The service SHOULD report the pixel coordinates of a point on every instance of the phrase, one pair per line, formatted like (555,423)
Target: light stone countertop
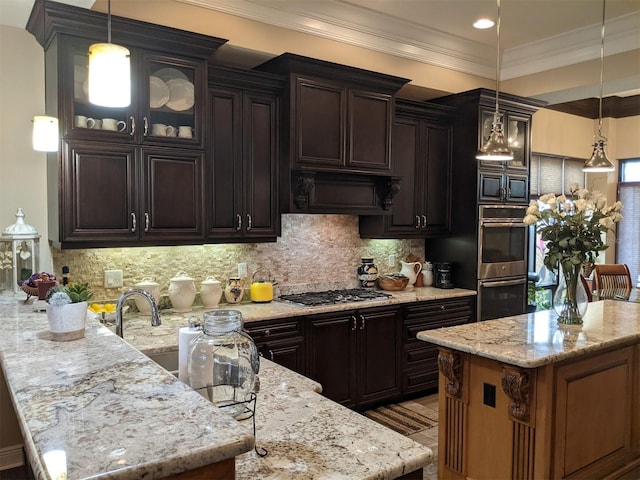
(164,338)
(116,414)
(536,339)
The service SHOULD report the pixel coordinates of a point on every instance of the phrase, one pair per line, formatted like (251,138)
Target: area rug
(401,419)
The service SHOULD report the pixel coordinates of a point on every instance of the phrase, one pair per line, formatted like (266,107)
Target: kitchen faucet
(155,316)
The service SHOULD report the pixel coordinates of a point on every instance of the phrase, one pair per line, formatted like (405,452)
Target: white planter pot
(67,322)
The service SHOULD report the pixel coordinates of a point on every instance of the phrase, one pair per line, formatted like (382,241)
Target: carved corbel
(515,383)
(450,365)
(303,184)
(387,189)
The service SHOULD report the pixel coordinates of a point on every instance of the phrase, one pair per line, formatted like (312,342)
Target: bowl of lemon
(104,312)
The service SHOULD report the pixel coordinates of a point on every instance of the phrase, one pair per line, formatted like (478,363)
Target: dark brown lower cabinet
(420,359)
(281,341)
(354,355)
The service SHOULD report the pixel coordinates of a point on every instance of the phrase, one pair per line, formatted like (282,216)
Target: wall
(22,170)
(313,252)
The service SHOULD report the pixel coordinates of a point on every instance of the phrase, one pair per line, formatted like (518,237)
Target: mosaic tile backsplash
(315,252)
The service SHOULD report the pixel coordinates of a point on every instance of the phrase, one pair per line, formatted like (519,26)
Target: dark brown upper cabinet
(243,148)
(421,154)
(125,176)
(337,127)
(486,181)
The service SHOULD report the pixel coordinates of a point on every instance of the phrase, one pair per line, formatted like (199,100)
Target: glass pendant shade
(109,75)
(598,161)
(495,148)
(45,134)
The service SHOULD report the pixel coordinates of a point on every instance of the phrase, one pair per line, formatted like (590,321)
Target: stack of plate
(171,87)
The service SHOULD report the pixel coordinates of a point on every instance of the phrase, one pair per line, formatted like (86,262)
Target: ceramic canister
(149,285)
(210,292)
(182,292)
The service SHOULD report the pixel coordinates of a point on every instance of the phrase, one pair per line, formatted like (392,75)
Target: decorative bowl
(393,282)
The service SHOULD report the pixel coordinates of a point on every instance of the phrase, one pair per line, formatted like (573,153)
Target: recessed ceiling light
(483,23)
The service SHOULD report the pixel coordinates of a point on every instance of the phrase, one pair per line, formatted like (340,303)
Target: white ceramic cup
(113,124)
(80,121)
(93,123)
(159,129)
(172,131)
(185,131)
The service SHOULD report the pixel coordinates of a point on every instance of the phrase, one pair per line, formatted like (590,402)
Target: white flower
(582,193)
(606,222)
(617,207)
(574,187)
(580,204)
(530,219)
(532,209)
(562,199)
(617,217)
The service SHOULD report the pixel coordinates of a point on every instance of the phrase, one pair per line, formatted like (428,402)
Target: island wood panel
(579,419)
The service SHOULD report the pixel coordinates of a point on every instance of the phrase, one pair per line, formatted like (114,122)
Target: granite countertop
(116,414)
(104,406)
(164,337)
(536,339)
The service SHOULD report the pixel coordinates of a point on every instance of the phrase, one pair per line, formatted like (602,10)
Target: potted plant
(67,311)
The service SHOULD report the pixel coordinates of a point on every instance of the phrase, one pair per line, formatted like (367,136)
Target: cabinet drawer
(421,379)
(439,309)
(264,331)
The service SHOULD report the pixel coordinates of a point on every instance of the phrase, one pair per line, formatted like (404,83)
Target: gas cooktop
(331,297)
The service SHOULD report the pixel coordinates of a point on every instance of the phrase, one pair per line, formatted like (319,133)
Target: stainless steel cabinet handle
(145,122)
(507,193)
(267,332)
(249,221)
(354,325)
(271,355)
(133,222)
(417,221)
(146,222)
(363,324)
(424,221)
(239,219)
(133,126)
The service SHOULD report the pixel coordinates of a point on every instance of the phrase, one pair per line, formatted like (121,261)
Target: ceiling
(535,36)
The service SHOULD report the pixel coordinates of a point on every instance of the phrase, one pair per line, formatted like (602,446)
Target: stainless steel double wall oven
(502,261)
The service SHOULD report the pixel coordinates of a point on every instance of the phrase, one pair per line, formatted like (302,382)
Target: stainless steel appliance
(502,261)
(331,297)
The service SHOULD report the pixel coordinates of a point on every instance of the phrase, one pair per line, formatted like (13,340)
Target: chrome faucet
(155,316)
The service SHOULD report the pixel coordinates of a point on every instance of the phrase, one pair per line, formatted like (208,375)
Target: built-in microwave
(502,242)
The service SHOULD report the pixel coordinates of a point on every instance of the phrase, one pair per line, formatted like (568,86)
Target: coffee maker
(442,275)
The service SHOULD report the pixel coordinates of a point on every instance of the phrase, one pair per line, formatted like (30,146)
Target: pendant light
(44,136)
(496,148)
(109,72)
(599,161)
(45,133)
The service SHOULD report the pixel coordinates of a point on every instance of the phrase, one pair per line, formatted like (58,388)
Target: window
(554,174)
(628,230)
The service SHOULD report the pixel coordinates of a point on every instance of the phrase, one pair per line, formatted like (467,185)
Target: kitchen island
(107,411)
(524,397)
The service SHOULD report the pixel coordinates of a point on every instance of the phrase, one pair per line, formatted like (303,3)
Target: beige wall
(22,170)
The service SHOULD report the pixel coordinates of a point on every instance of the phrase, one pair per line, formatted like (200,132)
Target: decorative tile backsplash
(315,252)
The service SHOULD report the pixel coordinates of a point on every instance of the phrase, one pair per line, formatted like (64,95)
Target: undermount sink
(167,360)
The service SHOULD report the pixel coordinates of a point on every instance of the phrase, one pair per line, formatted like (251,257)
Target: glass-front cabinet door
(165,106)
(516,130)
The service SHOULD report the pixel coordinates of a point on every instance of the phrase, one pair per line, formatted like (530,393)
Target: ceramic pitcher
(411,271)
(182,292)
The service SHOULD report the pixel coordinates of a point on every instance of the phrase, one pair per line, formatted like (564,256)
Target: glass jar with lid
(223,362)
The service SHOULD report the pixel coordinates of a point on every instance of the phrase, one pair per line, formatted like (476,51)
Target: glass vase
(570,300)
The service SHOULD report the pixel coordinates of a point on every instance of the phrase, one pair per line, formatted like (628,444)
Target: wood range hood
(336,125)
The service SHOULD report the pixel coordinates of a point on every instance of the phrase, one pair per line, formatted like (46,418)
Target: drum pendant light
(109,72)
(496,148)
(599,161)
(45,133)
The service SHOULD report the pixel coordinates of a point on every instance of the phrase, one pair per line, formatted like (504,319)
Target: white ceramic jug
(182,292)
(411,271)
(149,285)
(210,292)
